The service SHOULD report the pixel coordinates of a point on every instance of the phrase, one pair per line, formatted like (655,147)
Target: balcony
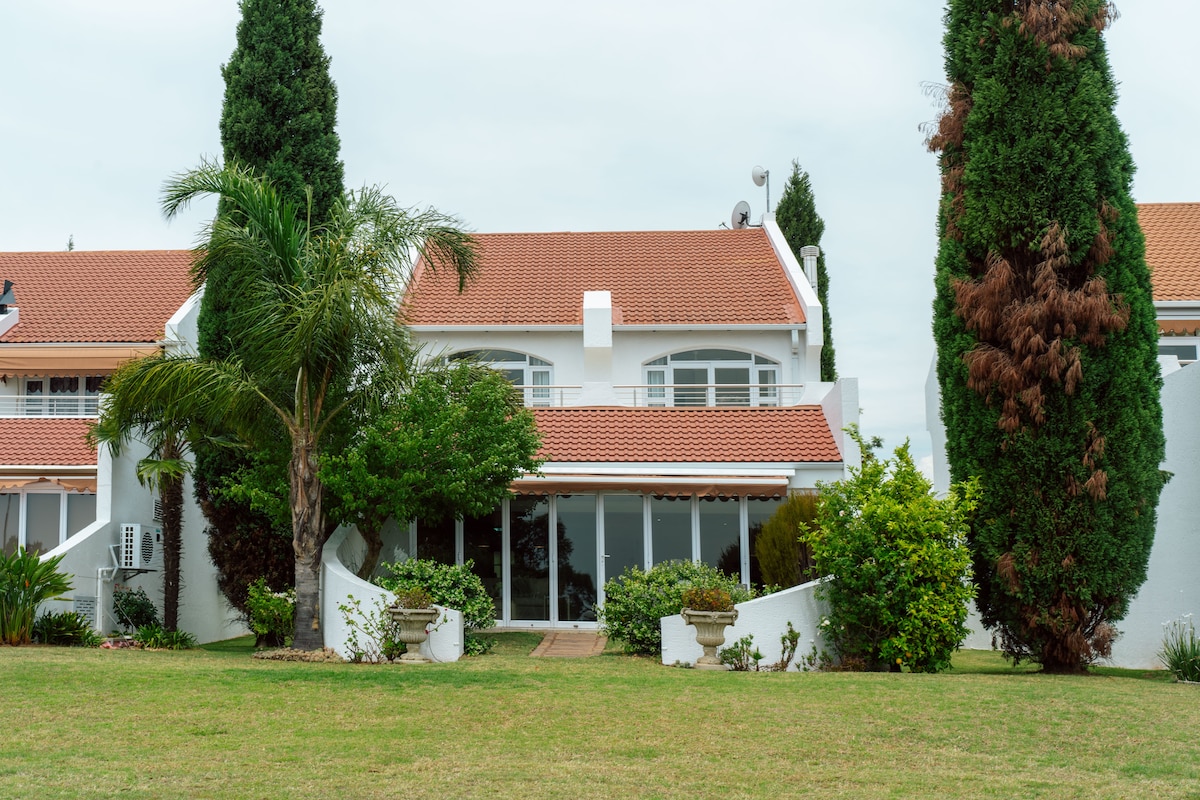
(673,395)
(26,405)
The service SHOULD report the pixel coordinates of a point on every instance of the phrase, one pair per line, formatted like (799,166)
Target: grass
(215,723)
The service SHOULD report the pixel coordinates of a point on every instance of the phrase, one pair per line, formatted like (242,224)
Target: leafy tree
(278,120)
(451,445)
(900,564)
(796,215)
(1045,326)
(319,309)
(128,414)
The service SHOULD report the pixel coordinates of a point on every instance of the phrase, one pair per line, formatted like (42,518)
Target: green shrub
(742,655)
(636,600)
(25,582)
(900,563)
(67,628)
(133,609)
(373,636)
(783,560)
(272,614)
(707,598)
(449,585)
(156,637)
(1181,650)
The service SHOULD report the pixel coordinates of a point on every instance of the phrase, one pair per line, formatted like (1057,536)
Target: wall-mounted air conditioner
(141,546)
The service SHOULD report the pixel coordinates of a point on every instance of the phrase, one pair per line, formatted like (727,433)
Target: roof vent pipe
(809,254)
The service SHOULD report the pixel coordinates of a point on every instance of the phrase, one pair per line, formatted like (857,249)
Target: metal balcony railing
(672,395)
(24,405)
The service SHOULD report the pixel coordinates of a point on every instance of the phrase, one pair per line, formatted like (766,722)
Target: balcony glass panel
(736,388)
(685,378)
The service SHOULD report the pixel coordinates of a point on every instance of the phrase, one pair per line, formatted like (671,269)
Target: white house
(69,319)
(1172,232)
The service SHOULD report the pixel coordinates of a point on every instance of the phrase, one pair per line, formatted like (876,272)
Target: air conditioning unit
(141,546)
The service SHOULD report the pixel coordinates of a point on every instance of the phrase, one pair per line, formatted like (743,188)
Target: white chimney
(810,253)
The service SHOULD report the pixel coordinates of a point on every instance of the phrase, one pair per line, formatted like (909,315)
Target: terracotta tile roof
(656,278)
(718,435)
(97,296)
(1172,248)
(29,441)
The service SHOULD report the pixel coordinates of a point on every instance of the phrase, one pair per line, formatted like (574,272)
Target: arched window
(531,374)
(712,377)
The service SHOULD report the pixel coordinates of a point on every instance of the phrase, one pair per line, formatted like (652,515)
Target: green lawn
(215,723)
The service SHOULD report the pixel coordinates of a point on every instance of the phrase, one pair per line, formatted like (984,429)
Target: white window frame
(537,374)
(761,389)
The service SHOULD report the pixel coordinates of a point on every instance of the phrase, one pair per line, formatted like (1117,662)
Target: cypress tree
(278,120)
(1045,326)
(796,215)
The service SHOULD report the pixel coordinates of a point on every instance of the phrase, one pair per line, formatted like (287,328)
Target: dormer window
(529,373)
(712,377)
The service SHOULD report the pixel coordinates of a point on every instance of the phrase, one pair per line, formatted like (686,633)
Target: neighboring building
(66,322)
(1172,232)
(675,377)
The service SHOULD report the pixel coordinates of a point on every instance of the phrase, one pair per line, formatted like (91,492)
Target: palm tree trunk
(171,495)
(308,537)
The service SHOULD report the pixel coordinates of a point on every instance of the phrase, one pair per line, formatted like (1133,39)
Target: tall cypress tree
(1045,326)
(797,217)
(278,119)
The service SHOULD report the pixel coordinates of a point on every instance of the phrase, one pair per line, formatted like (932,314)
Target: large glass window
(624,539)
(43,521)
(531,374)
(10,521)
(81,512)
(435,540)
(577,575)
(758,511)
(711,377)
(483,544)
(720,534)
(529,545)
(671,528)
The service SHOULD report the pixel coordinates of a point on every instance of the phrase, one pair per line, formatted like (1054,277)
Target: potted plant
(413,611)
(709,610)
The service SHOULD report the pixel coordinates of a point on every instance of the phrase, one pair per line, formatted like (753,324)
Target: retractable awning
(658,485)
(36,360)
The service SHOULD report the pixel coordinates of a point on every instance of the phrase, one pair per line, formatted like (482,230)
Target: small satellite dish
(741,215)
(759,175)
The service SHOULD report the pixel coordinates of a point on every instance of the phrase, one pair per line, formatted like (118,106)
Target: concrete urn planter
(710,634)
(413,623)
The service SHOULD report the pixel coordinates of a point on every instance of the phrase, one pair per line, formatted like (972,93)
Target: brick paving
(570,644)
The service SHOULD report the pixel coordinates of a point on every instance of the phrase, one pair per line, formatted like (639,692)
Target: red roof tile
(1172,248)
(689,435)
(717,277)
(30,441)
(98,296)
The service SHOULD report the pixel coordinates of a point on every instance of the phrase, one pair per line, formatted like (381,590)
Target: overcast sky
(539,116)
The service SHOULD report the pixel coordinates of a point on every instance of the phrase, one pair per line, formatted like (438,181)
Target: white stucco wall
(339,585)
(765,618)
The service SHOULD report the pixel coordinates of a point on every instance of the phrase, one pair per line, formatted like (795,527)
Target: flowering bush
(272,614)
(707,598)
(1181,649)
(900,564)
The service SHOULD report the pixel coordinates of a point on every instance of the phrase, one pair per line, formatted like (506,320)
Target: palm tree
(127,415)
(320,335)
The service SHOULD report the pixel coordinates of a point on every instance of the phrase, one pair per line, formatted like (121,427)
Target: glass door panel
(737,390)
(577,575)
(10,522)
(671,521)
(624,537)
(435,540)
(720,534)
(483,543)
(758,511)
(684,379)
(529,544)
(42,522)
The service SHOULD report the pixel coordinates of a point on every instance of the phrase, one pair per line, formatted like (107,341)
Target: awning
(73,359)
(70,484)
(657,485)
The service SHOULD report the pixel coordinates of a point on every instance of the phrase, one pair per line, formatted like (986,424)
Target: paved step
(570,644)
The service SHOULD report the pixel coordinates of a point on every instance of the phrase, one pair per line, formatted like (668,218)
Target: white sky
(535,116)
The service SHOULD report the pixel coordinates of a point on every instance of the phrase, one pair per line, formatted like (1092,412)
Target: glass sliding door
(435,540)
(624,534)
(577,573)
(529,551)
(720,539)
(43,522)
(671,528)
(483,543)
(758,511)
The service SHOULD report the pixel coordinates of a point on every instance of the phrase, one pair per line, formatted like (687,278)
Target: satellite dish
(759,175)
(741,215)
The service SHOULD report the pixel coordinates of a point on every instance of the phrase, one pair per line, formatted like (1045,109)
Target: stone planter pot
(710,634)
(413,623)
